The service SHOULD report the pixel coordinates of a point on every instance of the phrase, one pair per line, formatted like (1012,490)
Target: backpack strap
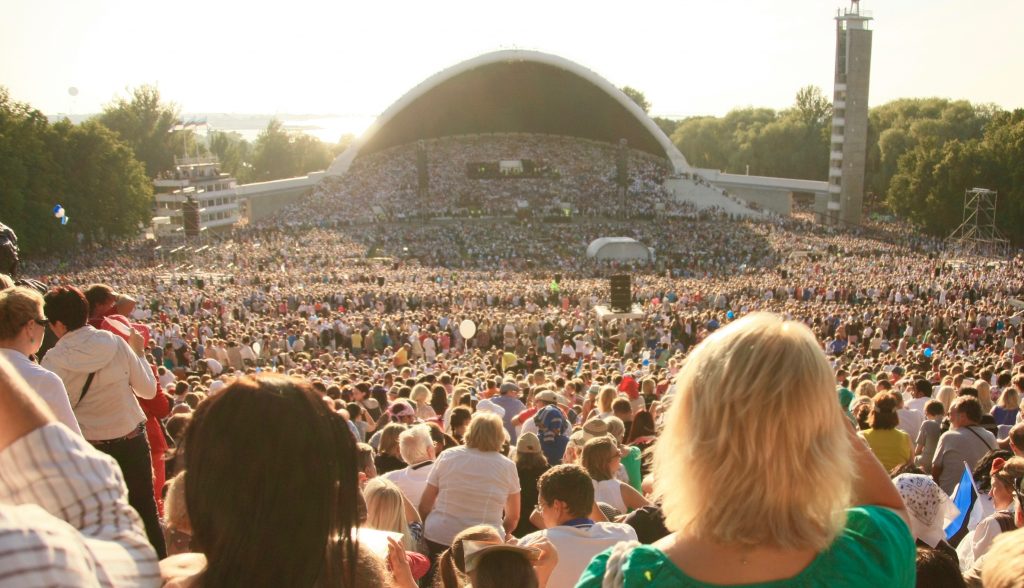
(1005,520)
(85,389)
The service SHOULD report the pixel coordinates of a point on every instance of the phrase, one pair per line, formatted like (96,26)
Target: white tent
(618,248)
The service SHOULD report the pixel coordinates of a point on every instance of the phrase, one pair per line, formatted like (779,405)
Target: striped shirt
(65,518)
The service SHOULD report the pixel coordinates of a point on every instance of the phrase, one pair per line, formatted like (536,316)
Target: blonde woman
(421,396)
(471,485)
(1007,407)
(774,490)
(387,509)
(455,402)
(945,395)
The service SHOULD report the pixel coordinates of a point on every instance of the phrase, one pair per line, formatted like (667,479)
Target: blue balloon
(645,362)
(57,208)
(928,351)
(730,315)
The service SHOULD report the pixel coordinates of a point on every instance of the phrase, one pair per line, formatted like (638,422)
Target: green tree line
(101,171)
(923,153)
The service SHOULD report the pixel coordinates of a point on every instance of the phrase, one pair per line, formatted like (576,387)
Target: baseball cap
(546,396)
(528,443)
(508,387)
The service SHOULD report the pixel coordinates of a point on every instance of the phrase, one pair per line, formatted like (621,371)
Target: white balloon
(467,329)
(60,213)
(73,91)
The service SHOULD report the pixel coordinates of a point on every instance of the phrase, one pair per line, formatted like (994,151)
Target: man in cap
(508,399)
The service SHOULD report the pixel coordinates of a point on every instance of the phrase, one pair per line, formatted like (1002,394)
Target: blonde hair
(605,398)
(984,395)
(175,513)
(1009,399)
(945,395)
(18,306)
(419,394)
(866,388)
(776,469)
(385,509)
(486,432)
(1004,562)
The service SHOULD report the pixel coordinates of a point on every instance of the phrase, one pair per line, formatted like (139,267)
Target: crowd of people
(579,176)
(336,399)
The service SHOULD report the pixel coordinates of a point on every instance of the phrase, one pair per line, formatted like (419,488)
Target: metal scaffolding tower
(978,234)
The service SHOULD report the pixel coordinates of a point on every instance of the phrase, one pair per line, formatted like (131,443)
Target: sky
(355,58)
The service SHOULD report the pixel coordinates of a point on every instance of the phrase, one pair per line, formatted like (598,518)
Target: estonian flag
(965,497)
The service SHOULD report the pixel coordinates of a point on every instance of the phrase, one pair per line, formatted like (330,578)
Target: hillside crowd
(343,397)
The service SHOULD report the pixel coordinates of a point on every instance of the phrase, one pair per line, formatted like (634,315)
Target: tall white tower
(848,152)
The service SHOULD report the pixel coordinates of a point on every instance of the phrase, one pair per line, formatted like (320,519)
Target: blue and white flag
(965,498)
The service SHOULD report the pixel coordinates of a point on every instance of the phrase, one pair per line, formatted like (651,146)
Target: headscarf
(551,428)
(930,508)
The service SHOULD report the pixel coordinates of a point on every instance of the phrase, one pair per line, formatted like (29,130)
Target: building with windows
(199,177)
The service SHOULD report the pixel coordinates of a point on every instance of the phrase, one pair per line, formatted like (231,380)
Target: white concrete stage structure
(619,248)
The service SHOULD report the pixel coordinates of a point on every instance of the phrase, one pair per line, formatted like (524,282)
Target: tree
(106,191)
(638,97)
(234,153)
(143,121)
(85,168)
(28,173)
(667,125)
(812,107)
(273,158)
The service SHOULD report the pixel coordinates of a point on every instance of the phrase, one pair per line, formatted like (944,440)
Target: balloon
(58,211)
(63,220)
(467,329)
(928,351)
(730,315)
(72,91)
(645,362)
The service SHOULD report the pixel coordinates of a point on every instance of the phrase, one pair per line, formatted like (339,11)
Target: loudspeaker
(622,165)
(190,217)
(622,293)
(422,174)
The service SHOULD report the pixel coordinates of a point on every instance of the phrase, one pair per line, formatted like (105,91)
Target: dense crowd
(466,415)
(579,177)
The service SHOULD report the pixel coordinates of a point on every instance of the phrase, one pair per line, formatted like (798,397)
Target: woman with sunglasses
(22,328)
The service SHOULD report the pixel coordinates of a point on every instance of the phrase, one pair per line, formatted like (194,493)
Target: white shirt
(577,546)
(46,384)
(65,518)
(910,421)
(109,410)
(473,487)
(610,493)
(411,480)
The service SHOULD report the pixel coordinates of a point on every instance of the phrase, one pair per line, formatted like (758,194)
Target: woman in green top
(769,489)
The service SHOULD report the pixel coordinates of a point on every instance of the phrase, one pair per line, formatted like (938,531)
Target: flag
(965,498)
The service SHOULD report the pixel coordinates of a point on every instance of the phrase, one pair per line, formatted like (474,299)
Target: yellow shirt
(890,446)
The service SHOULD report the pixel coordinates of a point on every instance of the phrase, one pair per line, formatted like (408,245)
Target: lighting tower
(848,151)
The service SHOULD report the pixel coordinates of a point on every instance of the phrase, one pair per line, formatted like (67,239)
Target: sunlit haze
(356,58)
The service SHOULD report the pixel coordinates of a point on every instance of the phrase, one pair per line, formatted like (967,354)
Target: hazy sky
(342,57)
